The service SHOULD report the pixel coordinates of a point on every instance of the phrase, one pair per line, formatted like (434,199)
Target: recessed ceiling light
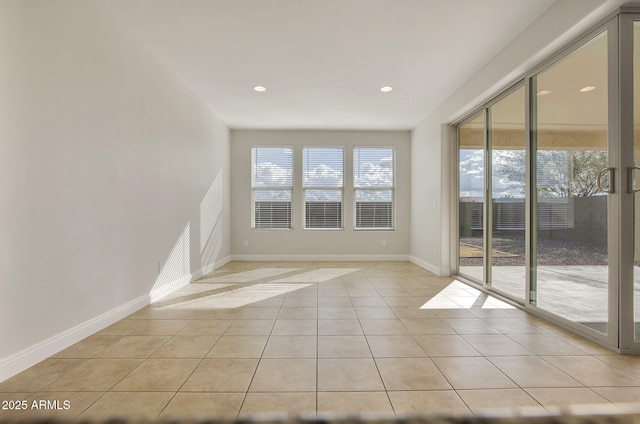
(585,89)
(543,92)
(259,88)
(386,89)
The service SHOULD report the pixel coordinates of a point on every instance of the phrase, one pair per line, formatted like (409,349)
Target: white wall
(315,244)
(431,140)
(105,160)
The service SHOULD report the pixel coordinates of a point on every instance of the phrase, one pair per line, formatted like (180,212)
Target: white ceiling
(324,61)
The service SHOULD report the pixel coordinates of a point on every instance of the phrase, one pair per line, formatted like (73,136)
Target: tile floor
(318,337)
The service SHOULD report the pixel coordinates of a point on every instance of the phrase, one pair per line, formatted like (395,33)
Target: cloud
(270,174)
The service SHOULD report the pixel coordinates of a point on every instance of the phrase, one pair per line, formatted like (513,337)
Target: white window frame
(289,188)
(320,188)
(391,188)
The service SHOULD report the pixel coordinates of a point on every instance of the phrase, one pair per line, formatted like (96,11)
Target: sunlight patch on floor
(458,295)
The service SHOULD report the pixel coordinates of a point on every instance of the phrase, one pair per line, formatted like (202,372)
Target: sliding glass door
(507,152)
(571,204)
(471,195)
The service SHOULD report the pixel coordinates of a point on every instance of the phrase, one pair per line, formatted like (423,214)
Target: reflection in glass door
(571,210)
(471,199)
(507,144)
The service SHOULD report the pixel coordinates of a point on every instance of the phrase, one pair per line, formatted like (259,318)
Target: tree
(559,173)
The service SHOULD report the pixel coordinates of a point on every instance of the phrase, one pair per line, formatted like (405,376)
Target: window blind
(271,187)
(373,169)
(323,186)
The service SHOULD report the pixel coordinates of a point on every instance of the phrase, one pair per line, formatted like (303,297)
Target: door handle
(611,186)
(632,180)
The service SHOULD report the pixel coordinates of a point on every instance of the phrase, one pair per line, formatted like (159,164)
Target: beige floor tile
(88,348)
(250,327)
(300,302)
(591,371)
(122,328)
(364,293)
(97,375)
(221,375)
(337,312)
(531,371)
(335,375)
(203,406)
(374,312)
(272,302)
(395,347)
(259,313)
(305,291)
(405,312)
(453,313)
(470,326)
(545,344)
(619,394)
(352,403)
(186,347)
(485,400)
(630,364)
(280,375)
(403,301)
(582,343)
(134,347)
(390,289)
(411,374)
(334,301)
(129,405)
(383,327)
(496,345)
(238,347)
(291,347)
(149,312)
(295,327)
(52,406)
(343,347)
(368,301)
(160,327)
(339,327)
(304,313)
(203,314)
(157,375)
(432,402)
(40,375)
(515,326)
(419,326)
(549,397)
(18,397)
(206,327)
(472,373)
(294,404)
(445,345)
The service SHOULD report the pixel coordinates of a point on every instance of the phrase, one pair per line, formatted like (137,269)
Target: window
(271,187)
(373,179)
(323,187)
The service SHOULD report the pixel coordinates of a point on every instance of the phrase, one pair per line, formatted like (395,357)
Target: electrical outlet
(159,266)
(245,243)
(383,243)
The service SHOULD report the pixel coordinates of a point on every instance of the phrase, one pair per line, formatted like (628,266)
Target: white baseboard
(30,356)
(430,267)
(320,258)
